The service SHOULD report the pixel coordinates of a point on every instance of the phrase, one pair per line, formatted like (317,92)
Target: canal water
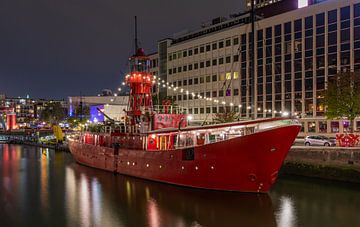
(41,187)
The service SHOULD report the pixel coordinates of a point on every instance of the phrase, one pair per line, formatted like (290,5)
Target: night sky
(59,48)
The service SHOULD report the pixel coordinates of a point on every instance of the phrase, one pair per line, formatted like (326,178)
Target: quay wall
(332,163)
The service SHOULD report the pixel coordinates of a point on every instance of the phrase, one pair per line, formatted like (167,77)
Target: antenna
(136,39)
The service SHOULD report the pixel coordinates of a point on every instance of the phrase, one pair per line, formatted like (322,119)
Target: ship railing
(168,109)
(199,137)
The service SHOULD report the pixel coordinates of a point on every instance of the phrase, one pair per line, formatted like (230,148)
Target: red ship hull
(249,163)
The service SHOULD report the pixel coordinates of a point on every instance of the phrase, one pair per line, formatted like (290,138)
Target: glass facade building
(296,54)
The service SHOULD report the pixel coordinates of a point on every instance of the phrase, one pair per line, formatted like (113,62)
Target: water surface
(41,187)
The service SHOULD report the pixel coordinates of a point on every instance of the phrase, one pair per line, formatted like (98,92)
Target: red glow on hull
(249,163)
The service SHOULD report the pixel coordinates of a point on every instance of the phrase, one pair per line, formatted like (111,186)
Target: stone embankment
(334,163)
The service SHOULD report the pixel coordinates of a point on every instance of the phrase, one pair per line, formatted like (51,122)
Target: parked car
(319,141)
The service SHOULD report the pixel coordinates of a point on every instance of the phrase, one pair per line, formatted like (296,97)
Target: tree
(227,116)
(53,113)
(342,97)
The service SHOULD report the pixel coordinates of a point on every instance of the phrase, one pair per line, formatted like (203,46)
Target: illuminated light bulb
(181,90)
(231,104)
(115,94)
(123,83)
(163,81)
(223,102)
(269,110)
(119,89)
(159,83)
(275,111)
(164,85)
(249,107)
(154,77)
(240,106)
(167,83)
(259,109)
(285,114)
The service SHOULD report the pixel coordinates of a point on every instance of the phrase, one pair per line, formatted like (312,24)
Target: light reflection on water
(285,216)
(41,187)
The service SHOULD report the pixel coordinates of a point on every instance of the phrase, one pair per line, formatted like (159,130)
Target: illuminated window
(302,3)
(236,75)
(222,77)
(228,76)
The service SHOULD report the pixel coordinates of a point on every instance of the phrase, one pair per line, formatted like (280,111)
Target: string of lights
(180,90)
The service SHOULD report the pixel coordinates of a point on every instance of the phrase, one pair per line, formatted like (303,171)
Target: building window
(214,94)
(196,50)
(202,49)
(196,80)
(228,42)
(208,47)
(214,78)
(208,79)
(228,59)
(214,62)
(196,65)
(311,127)
(201,65)
(221,93)
(334,126)
(236,75)
(221,61)
(221,44)
(228,76)
(236,92)
(208,63)
(236,58)
(221,76)
(236,41)
(214,46)
(185,82)
(214,110)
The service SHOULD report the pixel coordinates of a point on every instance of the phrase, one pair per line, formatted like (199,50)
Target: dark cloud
(57,48)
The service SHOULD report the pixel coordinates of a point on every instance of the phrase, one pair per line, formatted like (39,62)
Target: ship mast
(139,80)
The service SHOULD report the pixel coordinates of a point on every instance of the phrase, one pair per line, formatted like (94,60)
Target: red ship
(158,145)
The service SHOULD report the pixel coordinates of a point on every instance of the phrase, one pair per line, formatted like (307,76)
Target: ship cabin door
(200,139)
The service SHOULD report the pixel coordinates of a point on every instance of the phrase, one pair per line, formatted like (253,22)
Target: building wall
(296,54)
(74,101)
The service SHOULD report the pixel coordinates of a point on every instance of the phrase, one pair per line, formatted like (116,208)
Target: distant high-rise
(261,3)
(296,3)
